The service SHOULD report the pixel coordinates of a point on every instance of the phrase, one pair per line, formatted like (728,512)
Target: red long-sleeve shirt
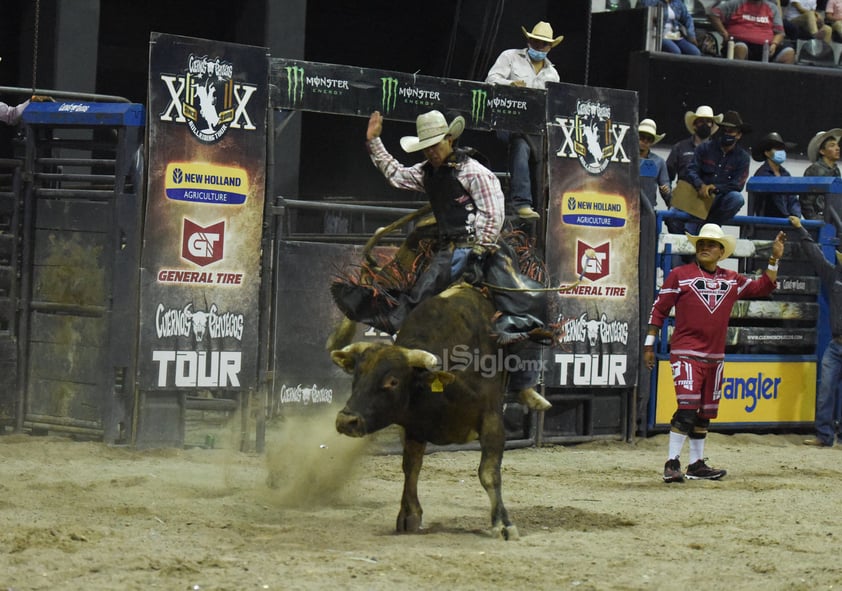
(703,303)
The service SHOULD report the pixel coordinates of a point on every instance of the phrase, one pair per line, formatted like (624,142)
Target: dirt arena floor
(317,511)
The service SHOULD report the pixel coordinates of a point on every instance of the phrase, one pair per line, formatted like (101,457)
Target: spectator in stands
(701,124)
(678,34)
(703,295)
(771,151)
(823,152)
(719,170)
(648,136)
(833,17)
(530,68)
(830,388)
(751,23)
(801,21)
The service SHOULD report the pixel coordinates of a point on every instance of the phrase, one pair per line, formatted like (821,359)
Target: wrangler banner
(593,228)
(199,311)
(760,393)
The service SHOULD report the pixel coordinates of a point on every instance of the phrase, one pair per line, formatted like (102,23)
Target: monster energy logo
(478,99)
(389,94)
(295,83)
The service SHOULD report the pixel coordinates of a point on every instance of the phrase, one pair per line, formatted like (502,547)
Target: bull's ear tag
(436,385)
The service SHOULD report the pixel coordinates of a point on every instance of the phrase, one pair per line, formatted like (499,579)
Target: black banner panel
(593,236)
(348,90)
(200,276)
(305,378)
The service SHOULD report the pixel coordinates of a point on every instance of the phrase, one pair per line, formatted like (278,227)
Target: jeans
(679,46)
(722,211)
(523,154)
(827,396)
(457,263)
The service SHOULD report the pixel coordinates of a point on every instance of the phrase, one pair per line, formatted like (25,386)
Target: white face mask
(536,55)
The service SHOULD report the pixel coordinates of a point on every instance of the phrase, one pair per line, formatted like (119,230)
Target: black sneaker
(698,470)
(672,471)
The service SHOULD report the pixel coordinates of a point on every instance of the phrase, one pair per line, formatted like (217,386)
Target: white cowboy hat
(542,32)
(432,128)
(649,126)
(819,139)
(715,233)
(703,111)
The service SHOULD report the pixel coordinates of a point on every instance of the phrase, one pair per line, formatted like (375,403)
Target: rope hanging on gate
(35,44)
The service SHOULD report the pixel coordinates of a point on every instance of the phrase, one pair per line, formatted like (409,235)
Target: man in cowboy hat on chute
(528,67)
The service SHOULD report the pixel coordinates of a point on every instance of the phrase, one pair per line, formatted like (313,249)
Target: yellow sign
(590,208)
(201,182)
(752,392)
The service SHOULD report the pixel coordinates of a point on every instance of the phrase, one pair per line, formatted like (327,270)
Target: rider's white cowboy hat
(715,233)
(432,128)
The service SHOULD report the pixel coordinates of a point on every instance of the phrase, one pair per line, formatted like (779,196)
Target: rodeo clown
(702,294)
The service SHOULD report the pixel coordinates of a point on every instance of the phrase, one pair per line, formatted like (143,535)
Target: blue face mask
(536,55)
(779,156)
(728,140)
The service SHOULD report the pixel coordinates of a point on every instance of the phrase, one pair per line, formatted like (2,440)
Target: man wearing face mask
(528,68)
(701,123)
(719,170)
(771,151)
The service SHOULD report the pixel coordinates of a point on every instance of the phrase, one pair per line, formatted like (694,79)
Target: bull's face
(385,378)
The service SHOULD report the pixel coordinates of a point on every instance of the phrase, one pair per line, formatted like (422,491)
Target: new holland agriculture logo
(593,137)
(207,99)
(202,182)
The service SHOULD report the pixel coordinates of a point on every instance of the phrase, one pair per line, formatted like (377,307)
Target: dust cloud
(309,462)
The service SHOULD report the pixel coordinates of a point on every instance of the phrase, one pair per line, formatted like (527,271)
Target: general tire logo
(593,262)
(208,99)
(295,84)
(478,102)
(201,245)
(388,94)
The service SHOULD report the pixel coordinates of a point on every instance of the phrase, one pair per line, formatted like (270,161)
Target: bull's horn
(421,358)
(346,356)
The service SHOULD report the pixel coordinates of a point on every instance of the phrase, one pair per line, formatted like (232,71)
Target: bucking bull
(402,384)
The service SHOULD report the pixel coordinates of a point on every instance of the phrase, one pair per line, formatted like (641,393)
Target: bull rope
(426,209)
(531,289)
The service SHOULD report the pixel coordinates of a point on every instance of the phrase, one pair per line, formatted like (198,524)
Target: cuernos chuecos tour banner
(593,232)
(199,312)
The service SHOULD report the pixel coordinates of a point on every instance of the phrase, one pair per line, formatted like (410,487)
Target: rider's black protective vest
(451,203)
